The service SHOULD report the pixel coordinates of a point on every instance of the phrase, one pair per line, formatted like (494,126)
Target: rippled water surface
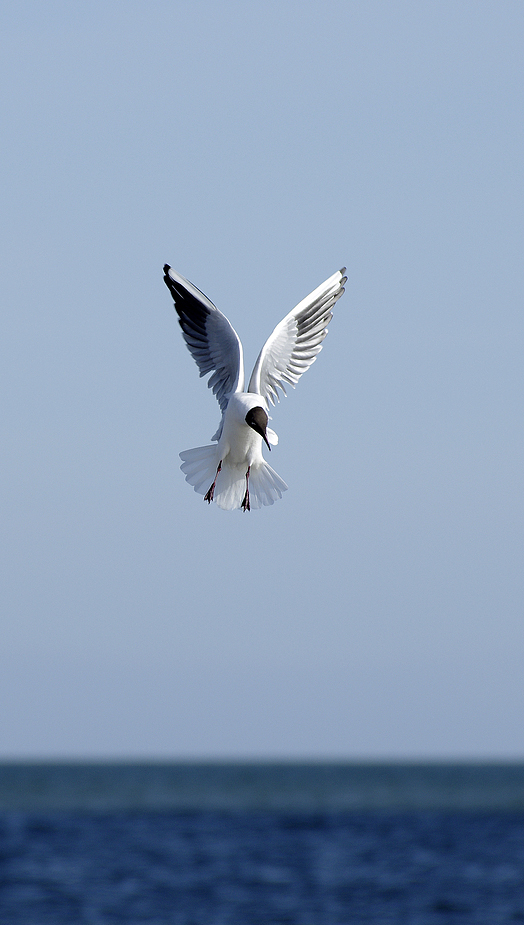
(244,866)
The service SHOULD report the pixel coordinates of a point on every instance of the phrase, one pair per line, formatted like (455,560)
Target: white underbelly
(242,447)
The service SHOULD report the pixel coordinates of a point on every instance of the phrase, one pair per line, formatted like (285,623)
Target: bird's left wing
(296,341)
(211,339)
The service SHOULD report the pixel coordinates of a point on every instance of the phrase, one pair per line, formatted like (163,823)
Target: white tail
(200,466)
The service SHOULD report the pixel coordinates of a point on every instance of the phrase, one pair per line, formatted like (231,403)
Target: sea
(254,843)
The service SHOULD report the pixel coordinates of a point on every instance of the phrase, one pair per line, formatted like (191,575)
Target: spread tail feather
(200,468)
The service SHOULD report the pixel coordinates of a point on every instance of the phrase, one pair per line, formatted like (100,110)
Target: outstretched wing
(212,341)
(295,342)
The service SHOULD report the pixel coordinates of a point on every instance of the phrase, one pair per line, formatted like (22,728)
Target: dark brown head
(257,419)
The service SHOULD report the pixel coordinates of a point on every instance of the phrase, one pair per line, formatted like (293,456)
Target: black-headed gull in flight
(232,471)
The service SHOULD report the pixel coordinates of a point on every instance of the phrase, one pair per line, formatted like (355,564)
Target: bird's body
(233,471)
(239,444)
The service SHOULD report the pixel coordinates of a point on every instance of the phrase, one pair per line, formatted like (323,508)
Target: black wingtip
(167,279)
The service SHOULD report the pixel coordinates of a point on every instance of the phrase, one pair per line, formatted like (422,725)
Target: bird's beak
(262,431)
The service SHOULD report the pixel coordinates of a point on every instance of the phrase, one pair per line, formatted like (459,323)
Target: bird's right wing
(212,341)
(295,342)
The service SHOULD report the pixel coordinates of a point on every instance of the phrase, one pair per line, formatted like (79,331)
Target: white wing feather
(211,339)
(296,341)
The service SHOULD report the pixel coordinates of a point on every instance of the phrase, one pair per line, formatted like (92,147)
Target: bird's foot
(245,503)
(211,491)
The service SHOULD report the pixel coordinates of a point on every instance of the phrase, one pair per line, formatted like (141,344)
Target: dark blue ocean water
(244,865)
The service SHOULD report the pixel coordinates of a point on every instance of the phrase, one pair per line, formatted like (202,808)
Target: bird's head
(257,419)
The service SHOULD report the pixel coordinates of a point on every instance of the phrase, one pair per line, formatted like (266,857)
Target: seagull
(232,472)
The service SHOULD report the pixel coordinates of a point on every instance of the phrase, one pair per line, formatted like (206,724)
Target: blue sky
(377,610)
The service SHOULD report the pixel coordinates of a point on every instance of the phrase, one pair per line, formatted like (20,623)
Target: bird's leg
(209,494)
(245,503)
